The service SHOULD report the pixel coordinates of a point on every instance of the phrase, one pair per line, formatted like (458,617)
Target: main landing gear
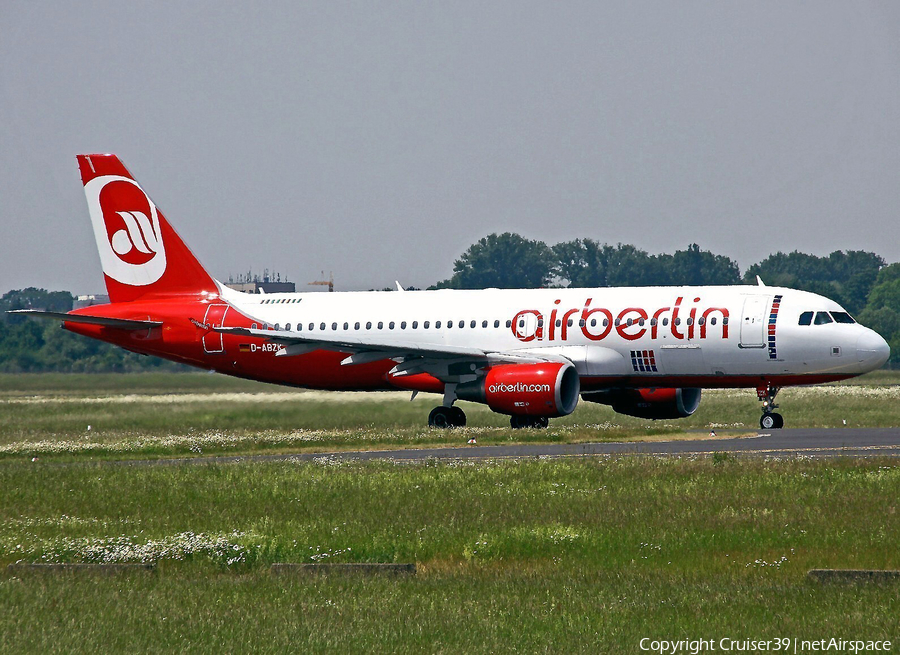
(769,420)
(453,417)
(447,417)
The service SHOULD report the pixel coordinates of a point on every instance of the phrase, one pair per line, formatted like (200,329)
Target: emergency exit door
(214,342)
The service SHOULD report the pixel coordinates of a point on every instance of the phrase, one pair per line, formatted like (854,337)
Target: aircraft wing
(106,321)
(444,362)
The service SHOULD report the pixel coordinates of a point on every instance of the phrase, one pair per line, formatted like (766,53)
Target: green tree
(699,267)
(29,345)
(582,263)
(846,277)
(882,313)
(505,261)
(586,263)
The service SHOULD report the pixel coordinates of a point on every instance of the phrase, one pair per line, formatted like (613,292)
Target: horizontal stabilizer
(105,321)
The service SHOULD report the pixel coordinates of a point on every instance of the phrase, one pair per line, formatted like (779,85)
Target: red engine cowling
(649,403)
(526,389)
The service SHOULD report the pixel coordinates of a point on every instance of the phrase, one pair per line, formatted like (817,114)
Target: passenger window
(842,317)
(278,327)
(391,325)
(380,325)
(368,325)
(288,327)
(665,321)
(581,323)
(312,326)
(356,325)
(484,324)
(508,323)
(346,326)
(334,326)
(426,324)
(712,321)
(472,324)
(822,318)
(402,325)
(437,325)
(253,326)
(415,325)
(462,324)
(805,318)
(321,326)
(496,323)
(449,324)
(570,322)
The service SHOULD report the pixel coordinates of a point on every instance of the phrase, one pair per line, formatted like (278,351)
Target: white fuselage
(643,333)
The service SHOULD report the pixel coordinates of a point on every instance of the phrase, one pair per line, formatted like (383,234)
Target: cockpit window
(842,317)
(822,318)
(805,318)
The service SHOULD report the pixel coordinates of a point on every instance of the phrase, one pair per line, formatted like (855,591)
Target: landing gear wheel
(441,417)
(770,420)
(542,422)
(457,417)
(517,422)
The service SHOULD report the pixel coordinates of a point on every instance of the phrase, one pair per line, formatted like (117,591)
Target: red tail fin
(140,252)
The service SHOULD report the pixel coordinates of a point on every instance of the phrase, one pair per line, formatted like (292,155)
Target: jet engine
(648,403)
(546,389)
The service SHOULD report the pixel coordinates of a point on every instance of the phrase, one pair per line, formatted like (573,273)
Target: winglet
(759,281)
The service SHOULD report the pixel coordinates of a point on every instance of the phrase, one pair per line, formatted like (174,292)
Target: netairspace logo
(519,387)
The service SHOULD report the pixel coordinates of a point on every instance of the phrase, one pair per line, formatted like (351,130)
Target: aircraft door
(753,321)
(213,342)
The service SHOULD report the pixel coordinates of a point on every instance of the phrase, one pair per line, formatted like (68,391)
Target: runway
(839,442)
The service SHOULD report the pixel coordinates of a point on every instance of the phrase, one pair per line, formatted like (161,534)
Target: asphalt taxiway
(847,442)
(838,442)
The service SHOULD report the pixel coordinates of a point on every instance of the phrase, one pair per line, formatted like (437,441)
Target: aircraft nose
(871,350)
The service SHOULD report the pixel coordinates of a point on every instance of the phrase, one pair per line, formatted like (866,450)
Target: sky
(379,140)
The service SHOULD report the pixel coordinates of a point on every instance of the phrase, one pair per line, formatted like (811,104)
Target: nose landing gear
(770,420)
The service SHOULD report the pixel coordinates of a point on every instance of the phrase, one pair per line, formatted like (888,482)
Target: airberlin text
(519,387)
(681,320)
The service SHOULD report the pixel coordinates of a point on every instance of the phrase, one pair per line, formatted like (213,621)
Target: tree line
(860,281)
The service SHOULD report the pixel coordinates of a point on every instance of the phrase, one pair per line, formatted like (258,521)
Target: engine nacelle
(649,403)
(549,389)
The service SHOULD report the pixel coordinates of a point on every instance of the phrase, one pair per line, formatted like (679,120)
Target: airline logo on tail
(126,227)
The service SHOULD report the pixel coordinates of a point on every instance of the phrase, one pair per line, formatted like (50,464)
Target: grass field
(513,556)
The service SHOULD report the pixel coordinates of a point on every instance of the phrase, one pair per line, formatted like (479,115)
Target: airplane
(531,354)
